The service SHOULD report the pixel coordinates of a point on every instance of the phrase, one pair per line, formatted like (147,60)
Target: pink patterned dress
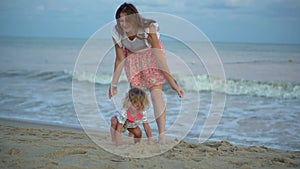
(141,65)
(142,70)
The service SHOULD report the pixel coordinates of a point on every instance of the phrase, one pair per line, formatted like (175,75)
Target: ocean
(39,80)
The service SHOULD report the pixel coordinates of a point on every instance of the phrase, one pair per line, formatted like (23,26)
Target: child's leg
(137,134)
(113,129)
(130,135)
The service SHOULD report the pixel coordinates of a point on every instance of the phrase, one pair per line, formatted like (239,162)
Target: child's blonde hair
(136,96)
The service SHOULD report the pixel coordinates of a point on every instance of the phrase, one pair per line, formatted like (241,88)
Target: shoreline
(37,125)
(48,125)
(31,145)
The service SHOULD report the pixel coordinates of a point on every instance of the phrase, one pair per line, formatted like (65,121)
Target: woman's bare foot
(161,139)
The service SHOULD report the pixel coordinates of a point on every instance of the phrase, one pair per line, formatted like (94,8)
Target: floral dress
(141,65)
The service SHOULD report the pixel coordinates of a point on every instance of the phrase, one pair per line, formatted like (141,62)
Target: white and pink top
(125,117)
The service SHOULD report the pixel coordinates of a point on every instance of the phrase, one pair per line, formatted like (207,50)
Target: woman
(140,51)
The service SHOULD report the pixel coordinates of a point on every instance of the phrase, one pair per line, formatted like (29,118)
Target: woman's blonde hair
(136,96)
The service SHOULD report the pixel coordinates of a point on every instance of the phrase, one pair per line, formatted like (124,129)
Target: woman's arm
(162,63)
(119,64)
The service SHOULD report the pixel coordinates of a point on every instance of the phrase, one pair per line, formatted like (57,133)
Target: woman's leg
(159,111)
(137,134)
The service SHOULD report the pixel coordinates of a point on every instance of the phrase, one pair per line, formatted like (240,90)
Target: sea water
(262,105)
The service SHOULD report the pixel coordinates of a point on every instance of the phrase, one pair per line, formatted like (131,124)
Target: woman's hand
(180,92)
(112,91)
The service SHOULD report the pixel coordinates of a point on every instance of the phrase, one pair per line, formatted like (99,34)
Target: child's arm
(119,134)
(148,131)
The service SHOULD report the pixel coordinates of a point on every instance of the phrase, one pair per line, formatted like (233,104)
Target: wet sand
(30,145)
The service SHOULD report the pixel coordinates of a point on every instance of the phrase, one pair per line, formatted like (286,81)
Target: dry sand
(27,145)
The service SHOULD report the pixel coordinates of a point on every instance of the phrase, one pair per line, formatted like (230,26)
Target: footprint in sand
(13,151)
(72,152)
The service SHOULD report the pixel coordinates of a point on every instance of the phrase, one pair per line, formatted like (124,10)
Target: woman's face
(125,25)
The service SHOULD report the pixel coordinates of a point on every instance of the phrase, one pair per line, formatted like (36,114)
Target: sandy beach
(29,145)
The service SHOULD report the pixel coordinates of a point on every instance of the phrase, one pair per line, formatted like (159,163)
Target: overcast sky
(263,21)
